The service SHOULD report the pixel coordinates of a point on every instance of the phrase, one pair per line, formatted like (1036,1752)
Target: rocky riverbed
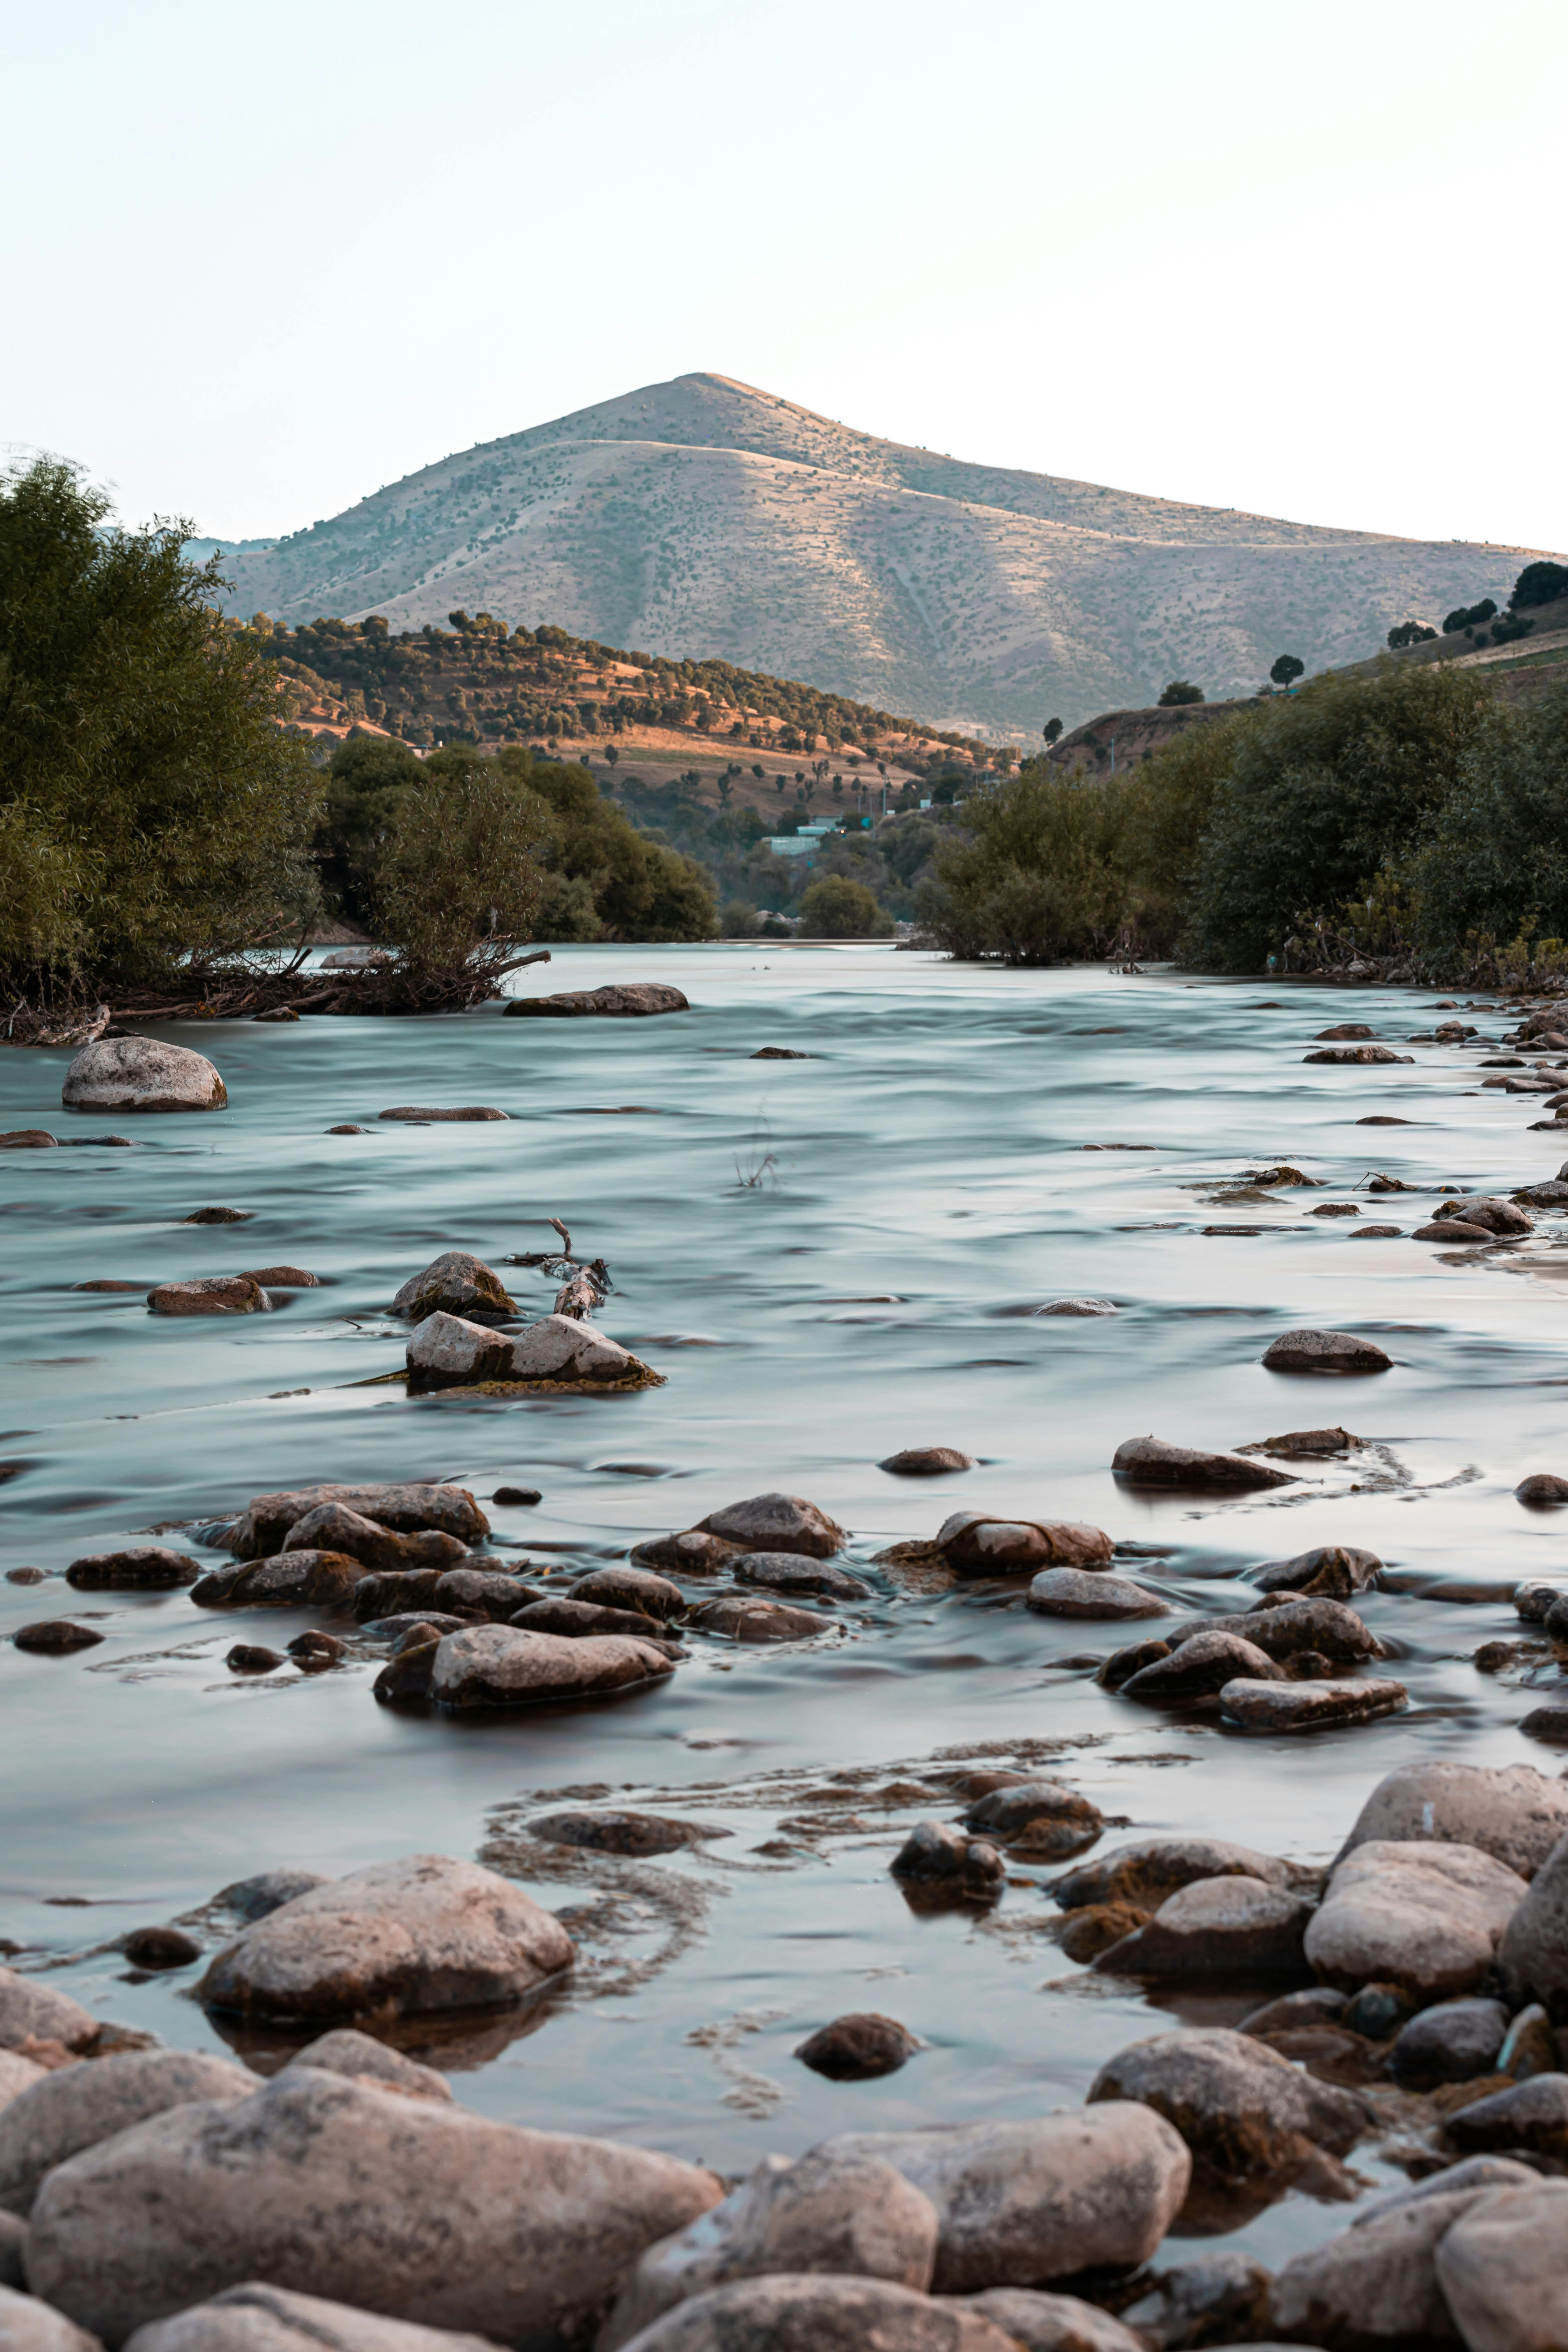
(491,1653)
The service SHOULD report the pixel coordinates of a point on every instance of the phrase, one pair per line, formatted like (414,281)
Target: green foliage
(1042,867)
(457,880)
(1468,616)
(1493,862)
(1182,689)
(642,889)
(1538,583)
(835,907)
(153,819)
(367,783)
(1409,633)
(1289,667)
(738,920)
(1052,729)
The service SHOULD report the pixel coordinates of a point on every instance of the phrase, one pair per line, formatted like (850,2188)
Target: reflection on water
(923,1187)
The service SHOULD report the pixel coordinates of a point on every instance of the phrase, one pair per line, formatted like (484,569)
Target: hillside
(702,517)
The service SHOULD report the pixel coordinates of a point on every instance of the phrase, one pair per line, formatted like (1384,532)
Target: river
(917,1186)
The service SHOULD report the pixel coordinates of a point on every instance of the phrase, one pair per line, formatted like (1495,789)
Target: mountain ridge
(703,516)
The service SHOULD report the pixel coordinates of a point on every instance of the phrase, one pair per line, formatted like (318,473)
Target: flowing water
(829,1259)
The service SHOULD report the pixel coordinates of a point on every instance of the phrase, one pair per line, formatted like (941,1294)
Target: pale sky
(1300,259)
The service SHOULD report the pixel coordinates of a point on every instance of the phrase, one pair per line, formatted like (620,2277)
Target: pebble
(55,1635)
(855,2048)
(736,1617)
(1152,1462)
(1452,2042)
(219,1294)
(1425,1915)
(143,1566)
(1309,1705)
(776,1523)
(979,1543)
(27,1139)
(934,1855)
(1325,1351)
(927,1462)
(1217,1927)
(501,1666)
(1036,1818)
(1072,1593)
(787,1571)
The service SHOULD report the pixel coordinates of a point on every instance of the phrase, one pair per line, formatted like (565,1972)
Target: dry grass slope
(704,518)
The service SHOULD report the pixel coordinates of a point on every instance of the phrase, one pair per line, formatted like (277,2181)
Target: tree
(155,818)
(738,920)
(611,752)
(458,879)
(365,787)
(1469,617)
(1041,868)
(1182,689)
(837,908)
(1538,583)
(1409,633)
(1052,729)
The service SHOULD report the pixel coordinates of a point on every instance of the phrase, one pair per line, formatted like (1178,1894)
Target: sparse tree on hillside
(1287,669)
(1409,633)
(1538,583)
(1182,689)
(1051,730)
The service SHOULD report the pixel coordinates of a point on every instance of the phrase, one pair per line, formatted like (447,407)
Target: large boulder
(1376,2283)
(1426,1916)
(17,2073)
(453,1284)
(389,2204)
(1217,1927)
(1144,1872)
(1153,1461)
(559,1348)
(31,2011)
(1023,2202)
(1534,1955)
(1241,2108)
(256,2318)
(28,2326)
(1510,1810)
(851,2214)
(446,1352)
(403,1938)
(142,1073)
(1502,2266)
(625,1001)
(505,1665)
(264,1526)
(980,1543)
(776,1523)
(74,2107)
(793,2314)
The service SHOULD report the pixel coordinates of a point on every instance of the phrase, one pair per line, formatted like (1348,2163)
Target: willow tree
(154,819)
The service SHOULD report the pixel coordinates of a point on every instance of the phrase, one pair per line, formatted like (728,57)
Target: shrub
(837,908)
(1538,583)
(458,879)
(1180,689)
(1409,633)
(738,920)
(1468,616)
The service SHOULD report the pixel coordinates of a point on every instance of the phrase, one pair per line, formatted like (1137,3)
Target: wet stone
(503,1666)
(26,1576)
(736,1617)
(1530,2046)
(979,1543)
(789,1572)
(1153,1461)
(1541,1486)
(1422,1914)
(483,1593)
(1217,1927)
(1242,2109)
(776,1523)
(1122,1665)
(54,1636)
(282,1278)
(1037,1818)
(1452,2042)
(1220,2297)
(934,1855)
(218,1217)
(1531,2115)
(514,1496)
(1325,1351)
(313,1651)
(143,1566)
(1511,1812)
(622,1832)
(250,1658)
(220,1294)
(1319,2005)
(1095,1927)
(1149,1869)
(253,1898)
(1309,1705)
(633,1589)
(1199,1668)
(452,1283)
(1336,1571)
(160,1948)
(1074,1592)
(927,1462)
(857,2047)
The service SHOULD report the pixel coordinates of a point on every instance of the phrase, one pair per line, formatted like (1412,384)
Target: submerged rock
(1074,1592)
(788,1571)
(1025,2201)
(927,1462)
(403,1938)
(736,1617)
(857,2047)
(628,1000)
(934,1855)
(143,1566)
(503,1665)
(453,1284)
(334,1526)
(979,1543)
(1313,1706)
(387,2203)
(1152,1462)
(1217,1927)
(292,1580)
(466,1114)
(142,1073)
(219,1294)
(1421,1914)
(1037,1817)
(557,1613)
(1325,1351)
(55,1636)
(74,2107)
(1335,1569)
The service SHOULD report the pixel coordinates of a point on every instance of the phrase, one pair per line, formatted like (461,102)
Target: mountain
(702,517)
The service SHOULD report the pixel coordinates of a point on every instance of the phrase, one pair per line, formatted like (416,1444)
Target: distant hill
(702,517)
